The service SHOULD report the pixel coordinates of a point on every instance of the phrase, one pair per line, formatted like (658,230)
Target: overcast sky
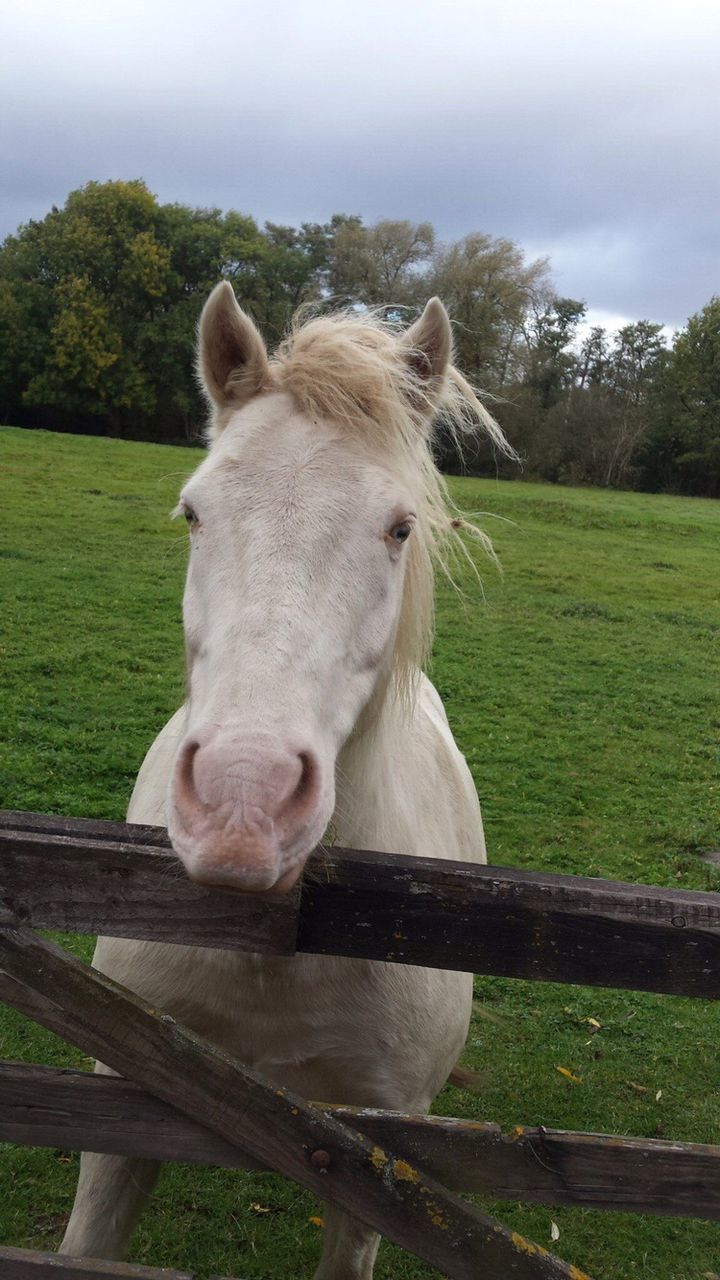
(587,131)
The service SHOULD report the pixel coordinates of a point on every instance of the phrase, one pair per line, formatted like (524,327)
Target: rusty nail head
(321,1160)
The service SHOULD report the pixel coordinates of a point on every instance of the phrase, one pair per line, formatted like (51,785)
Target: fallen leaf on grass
(554,1231)
(260,1208)
(317,1222)
(565,1071)
(639,1088)
(658,1095)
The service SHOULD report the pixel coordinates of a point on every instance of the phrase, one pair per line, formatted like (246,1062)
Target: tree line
(100,299)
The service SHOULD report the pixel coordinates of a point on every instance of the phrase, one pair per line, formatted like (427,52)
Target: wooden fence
(181,1099)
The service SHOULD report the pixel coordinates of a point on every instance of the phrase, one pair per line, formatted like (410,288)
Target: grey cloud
(588,136)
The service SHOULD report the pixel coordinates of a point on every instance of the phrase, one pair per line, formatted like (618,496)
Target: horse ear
(232,359)
(429,345)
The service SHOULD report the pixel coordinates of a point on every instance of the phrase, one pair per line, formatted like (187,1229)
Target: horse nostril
(306,789)
(306,776)
(185,788)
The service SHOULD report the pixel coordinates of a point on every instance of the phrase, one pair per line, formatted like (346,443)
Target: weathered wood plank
(80,1111)
(53,824)
(513,923)
(75,1110)
(290,1135)
(133,888)
(28,1264)
(119,879)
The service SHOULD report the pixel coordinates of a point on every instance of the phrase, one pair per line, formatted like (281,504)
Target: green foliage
(583,692)
(696,383)
(553,364)
(99,305)
(491,291)
(379,265)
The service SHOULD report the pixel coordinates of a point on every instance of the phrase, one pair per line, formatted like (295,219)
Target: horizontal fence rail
(27,1264)
(78,1111)
(123,880)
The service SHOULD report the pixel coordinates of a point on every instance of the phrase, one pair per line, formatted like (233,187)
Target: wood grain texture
(121,879)
(28,1264)
(512,923)
(75,1110)
(86,881)
(277,1128)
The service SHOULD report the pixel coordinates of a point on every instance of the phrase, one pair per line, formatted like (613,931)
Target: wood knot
(321,1160)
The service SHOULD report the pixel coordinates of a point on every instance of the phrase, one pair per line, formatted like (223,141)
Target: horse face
(299,543)
(294,589)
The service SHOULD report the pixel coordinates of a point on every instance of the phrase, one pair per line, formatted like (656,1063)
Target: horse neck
(366,809)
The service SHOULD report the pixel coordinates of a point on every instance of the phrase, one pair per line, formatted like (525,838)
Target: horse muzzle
(245,809)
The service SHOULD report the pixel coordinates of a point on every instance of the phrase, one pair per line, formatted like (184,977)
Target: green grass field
(584,694)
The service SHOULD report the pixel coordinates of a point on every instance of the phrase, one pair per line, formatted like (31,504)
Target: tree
(490,290)
(379,265)
(636,363)
(695,408)
(98,268)
(552,362)
(99,304)
(594,359)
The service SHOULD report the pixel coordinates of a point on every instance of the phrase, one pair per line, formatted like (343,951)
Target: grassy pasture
(584,693)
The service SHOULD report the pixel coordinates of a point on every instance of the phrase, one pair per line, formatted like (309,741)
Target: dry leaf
(317,1222)
(564,1071)
(593,1023)
(639,1088)
(658,1095)
(260,1208)
(554,1231)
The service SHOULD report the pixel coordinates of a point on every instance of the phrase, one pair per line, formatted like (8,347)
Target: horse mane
(355,370)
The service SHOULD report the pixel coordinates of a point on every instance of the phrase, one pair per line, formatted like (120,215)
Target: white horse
(315,521)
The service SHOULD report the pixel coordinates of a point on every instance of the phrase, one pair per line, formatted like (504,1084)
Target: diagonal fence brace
(387,1193)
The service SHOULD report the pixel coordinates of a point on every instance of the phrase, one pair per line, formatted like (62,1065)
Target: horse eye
(190,515)
(402,531)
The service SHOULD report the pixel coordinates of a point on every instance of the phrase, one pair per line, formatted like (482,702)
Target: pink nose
(240,804)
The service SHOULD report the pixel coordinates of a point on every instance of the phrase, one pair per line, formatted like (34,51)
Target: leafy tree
(379,265)
(594,359)
(553,364)
(99,303)
(695,420)
(638,358)
(490,290)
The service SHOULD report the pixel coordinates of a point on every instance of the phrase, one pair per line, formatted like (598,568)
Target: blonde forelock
(355,370)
